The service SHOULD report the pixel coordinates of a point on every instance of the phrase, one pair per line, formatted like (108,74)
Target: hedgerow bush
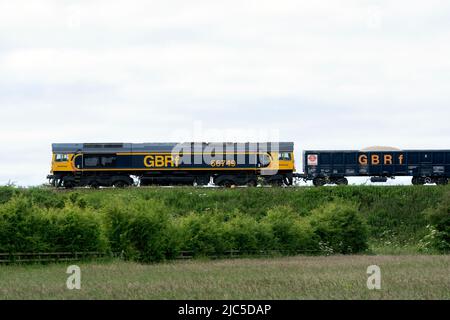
(6,193)
(21,227)
(246,234)
(204,234)
(74,229)
(45,198)
(142,231)
(28,228)
(438,237)
(340,227)
(291,233)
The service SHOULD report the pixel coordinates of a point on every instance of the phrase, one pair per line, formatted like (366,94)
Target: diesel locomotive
(223,164)
(235,164)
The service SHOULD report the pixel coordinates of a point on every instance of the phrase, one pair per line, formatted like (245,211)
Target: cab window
(284,156)
(61,157)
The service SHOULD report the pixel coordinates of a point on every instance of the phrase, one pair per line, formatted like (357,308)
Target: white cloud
(324,74)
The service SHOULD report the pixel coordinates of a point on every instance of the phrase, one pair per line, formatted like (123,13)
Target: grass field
(300,277)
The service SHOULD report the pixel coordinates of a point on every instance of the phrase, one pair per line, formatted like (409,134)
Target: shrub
(21,228)
(245,234)
(45,198)
(143,231)
(340,228)
(439,219)
(27,228)
(74,229)
(204,234)
(292,234)
(6,193)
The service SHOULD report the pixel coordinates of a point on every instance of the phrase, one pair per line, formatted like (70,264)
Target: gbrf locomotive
(224,164)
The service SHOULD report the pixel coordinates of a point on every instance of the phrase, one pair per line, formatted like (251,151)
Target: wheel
(68,184)
(226,183)
(120,184)
(417,181)
(252,183)
(288,181)
(342,182)
(319,182)
(442,181)
(94,185)
(276,183)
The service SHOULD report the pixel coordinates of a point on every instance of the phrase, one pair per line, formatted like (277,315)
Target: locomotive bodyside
(171,163)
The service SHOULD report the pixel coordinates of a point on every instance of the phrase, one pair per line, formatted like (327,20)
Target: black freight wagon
(425,166)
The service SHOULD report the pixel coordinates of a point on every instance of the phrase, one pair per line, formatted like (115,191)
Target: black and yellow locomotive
(223,164)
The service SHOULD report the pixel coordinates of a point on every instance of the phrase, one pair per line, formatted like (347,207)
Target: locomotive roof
(168,147)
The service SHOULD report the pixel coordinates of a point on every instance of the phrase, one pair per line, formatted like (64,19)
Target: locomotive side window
(90,161)
(103,161)
(108,161)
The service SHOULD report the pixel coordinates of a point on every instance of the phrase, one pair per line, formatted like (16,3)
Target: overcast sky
(323,74)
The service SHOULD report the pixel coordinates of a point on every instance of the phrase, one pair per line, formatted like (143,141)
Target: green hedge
(340,227)
(142,231)
(438,237)
(156,224)
(25,227)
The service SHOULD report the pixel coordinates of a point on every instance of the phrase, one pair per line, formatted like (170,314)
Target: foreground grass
(334,277)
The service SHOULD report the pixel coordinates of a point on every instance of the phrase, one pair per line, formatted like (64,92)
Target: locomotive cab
(61,162)
(286,161)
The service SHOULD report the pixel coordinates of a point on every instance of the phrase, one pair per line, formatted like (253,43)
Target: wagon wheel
(319,182)
(418,181)
(342,182)
(428,180)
